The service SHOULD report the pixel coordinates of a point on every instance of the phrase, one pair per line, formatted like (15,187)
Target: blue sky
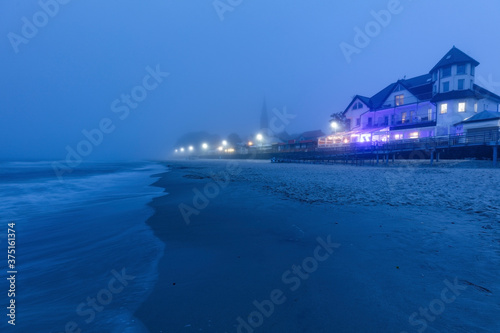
(64,78)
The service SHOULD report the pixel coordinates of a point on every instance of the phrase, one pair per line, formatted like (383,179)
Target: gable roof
(419,86)
(454,56)
(477,93)
(364,99)
(312,134)
(481,116)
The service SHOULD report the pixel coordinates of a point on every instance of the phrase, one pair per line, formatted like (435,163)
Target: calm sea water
(85,257)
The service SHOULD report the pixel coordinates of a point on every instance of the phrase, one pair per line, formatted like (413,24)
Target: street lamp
(191,148)
(224,143)
(334,125)
(259,137)
(204,146)
(182,150)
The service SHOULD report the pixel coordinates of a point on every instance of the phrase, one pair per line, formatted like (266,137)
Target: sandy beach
(252,246)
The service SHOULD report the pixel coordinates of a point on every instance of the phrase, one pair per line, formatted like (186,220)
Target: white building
(424,106)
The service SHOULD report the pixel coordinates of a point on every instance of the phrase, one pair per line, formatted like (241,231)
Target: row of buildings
(445,101)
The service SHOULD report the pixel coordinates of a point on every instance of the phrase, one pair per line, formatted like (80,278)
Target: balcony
(413,123)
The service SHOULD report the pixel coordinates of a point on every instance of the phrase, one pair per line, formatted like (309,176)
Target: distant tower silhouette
(264,118)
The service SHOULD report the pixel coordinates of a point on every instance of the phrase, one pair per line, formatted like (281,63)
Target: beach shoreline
(234,251)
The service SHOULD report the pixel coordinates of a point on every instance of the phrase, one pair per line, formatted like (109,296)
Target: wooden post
(495,155)
(387,160)
(437,156)
(432,157)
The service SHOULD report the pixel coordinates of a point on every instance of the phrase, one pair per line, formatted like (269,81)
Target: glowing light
(334,125)
(182,150)
(224,143)
(220,148)
(230,150)
(414,135)
(204,146)
(250,143)
(346,140)
(259,137)
(191,148)
(177,150)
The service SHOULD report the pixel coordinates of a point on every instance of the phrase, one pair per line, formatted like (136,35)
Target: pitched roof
(364,99)
(312,134)
(478,93)
(420,87)
(481,116)
(454,56)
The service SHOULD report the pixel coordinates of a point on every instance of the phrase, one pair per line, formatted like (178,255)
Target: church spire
(264,117)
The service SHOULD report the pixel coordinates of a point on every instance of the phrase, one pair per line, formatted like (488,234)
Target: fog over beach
(249,166)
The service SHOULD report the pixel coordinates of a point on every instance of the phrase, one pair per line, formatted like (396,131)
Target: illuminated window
(400,99)
(398,136)
(461,84)
(444,108)
(446,86)
(461,69)
(475,107)
(461,107)
(403,117)
(414,135)
(446,71)
(429,114)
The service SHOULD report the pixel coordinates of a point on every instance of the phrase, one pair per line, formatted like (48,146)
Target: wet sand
(259,249)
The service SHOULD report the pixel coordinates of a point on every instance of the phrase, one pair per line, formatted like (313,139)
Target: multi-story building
(424,106)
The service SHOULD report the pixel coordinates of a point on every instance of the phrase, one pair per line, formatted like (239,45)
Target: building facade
(429,105)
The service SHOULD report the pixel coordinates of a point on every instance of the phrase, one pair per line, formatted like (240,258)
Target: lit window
(461,107)
(461,83)
(398,136)
(461,69)
(400,99)
(444,108)
(403,117)
(414,135)
(446,86)
(446,71)
(475,107)
(429,114)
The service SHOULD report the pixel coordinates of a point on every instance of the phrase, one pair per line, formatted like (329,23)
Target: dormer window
(446,72)
(461,69)
(399,100)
